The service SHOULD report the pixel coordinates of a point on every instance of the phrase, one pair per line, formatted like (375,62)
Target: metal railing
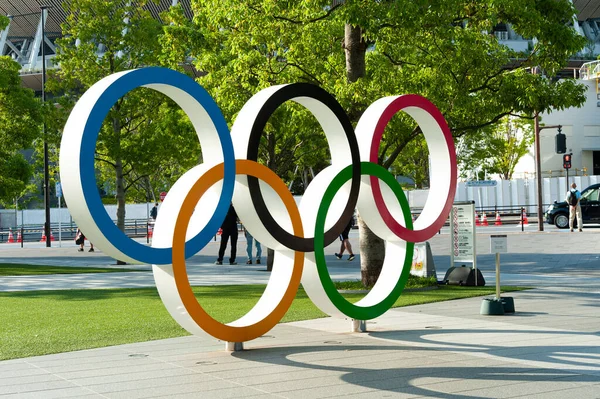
(511,215)
(134,228)
(590,70)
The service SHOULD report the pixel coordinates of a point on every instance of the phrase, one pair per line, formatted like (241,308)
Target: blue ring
(120,87)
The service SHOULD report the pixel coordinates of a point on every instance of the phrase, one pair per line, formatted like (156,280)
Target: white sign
(482,183)
(462,224)
(418,267)
(498,244)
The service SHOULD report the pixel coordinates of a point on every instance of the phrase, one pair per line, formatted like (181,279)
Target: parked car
(558,213)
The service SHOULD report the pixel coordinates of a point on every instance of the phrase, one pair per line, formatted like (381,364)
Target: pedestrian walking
(345,242)
(573,199)
(230,230)
(80,240)
(154,211)
(249,241)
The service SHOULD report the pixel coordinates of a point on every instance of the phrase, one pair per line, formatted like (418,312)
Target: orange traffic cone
(19,237)
(220,231)
(484,221)
(43,236)
(524,219)
(150,231)
(51,236)
(10,236)
(498,220)
(477,219)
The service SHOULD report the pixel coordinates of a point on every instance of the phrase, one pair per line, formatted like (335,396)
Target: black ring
(284,94)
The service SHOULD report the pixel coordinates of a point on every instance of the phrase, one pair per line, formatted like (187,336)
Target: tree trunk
(120,186)
(372,252)
(372,248)
(120,195)
(356,49)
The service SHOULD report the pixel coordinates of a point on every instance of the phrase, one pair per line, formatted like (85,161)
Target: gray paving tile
(24,380)
(227,393)
(219,389)
(34,387)
(590,391)
(124,361)
(377,394)
(184,377)
(12,365)
(325,391)
(76,392)
(542,385)
(114,372)
(21,372)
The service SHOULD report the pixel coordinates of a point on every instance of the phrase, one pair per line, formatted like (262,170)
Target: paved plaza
(550,348)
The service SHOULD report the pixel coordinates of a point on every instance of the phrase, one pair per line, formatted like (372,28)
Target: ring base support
(234,346)
(359,325)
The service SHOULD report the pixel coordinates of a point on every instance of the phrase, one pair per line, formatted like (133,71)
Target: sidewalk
(550,348)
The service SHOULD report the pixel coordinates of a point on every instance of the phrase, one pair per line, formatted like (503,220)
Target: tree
(360,51)
(497,149)
(145,135)
(20,121)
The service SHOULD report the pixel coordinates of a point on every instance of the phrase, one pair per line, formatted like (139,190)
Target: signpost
(462,233)
(498,245)
(58,187)
(163,195)
(498,306)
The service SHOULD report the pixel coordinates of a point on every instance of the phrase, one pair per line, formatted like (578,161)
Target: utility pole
(538,169)
(46,167)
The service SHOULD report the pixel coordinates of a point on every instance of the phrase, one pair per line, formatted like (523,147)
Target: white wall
(510,193)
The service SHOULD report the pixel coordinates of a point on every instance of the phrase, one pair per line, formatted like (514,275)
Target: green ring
(347,308)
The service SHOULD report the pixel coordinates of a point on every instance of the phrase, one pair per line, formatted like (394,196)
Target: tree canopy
(443,50)
(497,150)
(20,121)
(146,140)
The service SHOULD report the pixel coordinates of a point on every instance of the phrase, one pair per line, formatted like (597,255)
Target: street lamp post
(46,167)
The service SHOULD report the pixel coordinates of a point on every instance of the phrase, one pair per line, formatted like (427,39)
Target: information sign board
(462,225)
(498,244)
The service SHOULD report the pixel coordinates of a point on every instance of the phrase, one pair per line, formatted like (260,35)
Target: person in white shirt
(573,197)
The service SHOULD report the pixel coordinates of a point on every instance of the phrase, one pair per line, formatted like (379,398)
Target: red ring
(401,102)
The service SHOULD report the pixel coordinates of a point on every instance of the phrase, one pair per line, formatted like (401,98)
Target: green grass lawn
(43,322)
(412,282)
(17,269)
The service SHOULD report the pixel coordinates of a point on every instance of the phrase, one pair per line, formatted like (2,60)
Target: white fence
(10,218)
(511,193)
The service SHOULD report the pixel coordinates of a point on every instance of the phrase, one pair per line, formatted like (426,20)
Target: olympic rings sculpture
(231,174)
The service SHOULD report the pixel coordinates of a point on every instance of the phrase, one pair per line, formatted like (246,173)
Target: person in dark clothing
(346,242)
(230,230)
(154,212)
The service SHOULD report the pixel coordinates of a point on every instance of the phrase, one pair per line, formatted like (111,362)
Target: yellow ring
(206,322)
